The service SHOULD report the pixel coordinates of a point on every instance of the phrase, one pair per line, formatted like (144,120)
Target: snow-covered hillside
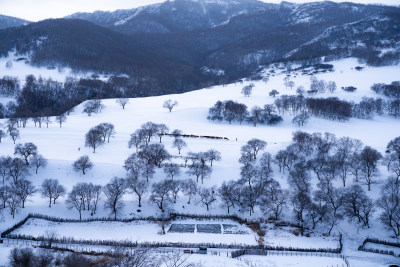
(20,69)
(62,146)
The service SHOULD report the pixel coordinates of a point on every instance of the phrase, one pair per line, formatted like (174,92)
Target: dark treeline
(40,96)
(333,108)
(231,111)
(9,86)
(390,90)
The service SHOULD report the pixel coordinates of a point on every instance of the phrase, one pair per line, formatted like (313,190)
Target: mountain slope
(82,45)
(251,39)
(8,22)
(173,16)
(176,40)
(375,39)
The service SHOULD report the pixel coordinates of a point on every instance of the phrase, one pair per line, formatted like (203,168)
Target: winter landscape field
(63,145)
(256,134)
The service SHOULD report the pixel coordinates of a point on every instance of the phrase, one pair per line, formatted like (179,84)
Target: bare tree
(61,119)
(160,194)
(175,187)
(141,258)
(114,192)
(22,257)
(154,154)
(389,202)
(189,189)
(291,84)
(302,118)
(273,93)
(5,192)
(369,161)
(249,198)
(345,148)
(269,109)
(5,163)
(162,130)
(92,106)
(355,165)
(134,166)
(393,148)
(74,259)
(177,259)
(200,171)
(17,169)
(2,134)
(47,120)
(25,151)
(331,86)
(137,140)
(275,200)
(300,90)
(139,187)
(106,130)
(149,130)
(13,203)
(172,170)
(94,139)
(23,189)
(170,104)
(213,155)
(300,201)
(256,145)
(179,144)
(207,196)
(97,189)
(38,161)
(176,133)
(52,189)
(122,102)
(246,91)
(225,193)
(286,81)
(357,204)
(76,200)
(82,164)
(14,134)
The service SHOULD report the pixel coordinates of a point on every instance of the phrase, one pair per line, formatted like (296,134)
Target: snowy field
(20,70)
(289,261)
(284,236)
(139,231)
(62,146)
(369,245)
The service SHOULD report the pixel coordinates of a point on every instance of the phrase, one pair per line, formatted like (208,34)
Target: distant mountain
(173,16)
(375,39)
(82,45)
(8,22)
(249,40)
(185,44)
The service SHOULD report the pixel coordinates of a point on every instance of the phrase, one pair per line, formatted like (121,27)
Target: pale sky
(35,10)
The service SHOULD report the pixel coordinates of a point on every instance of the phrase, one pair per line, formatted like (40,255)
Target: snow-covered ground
(62,146)
(284,236)
(137,231)
(20,69)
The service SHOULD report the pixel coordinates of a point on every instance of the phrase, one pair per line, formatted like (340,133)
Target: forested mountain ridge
(8,22)
(182,45)
(173,16)
(82,45)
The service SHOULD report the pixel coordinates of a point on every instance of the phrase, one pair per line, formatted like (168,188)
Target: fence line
(96,251)
(380,242)
(262,252)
